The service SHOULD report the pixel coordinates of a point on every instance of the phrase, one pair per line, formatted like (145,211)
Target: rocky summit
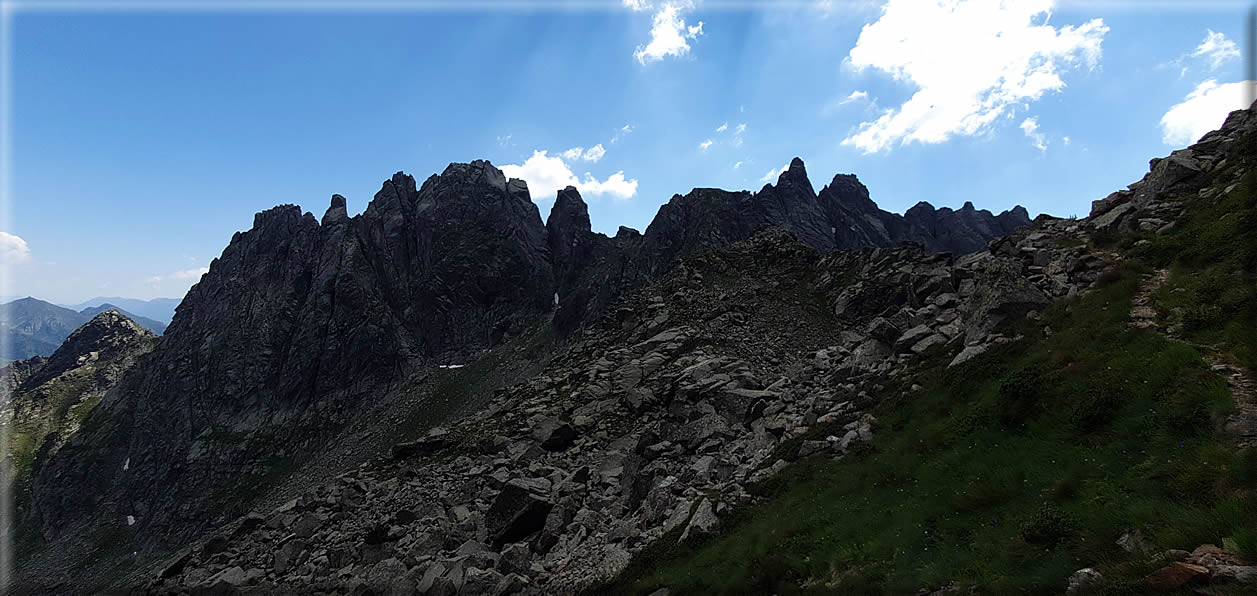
(445,395)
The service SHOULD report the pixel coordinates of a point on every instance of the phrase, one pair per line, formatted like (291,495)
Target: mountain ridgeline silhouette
(302,323)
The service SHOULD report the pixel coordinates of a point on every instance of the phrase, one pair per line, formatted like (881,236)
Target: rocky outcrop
(50,397)
(857,222)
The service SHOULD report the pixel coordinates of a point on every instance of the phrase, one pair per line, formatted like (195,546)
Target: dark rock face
(592,270)
(301,324)
(294,325)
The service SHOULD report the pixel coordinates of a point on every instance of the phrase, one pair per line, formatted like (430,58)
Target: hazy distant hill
(37,328)
(157,309)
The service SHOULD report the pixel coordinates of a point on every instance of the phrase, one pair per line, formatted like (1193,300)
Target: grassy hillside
(1017,468)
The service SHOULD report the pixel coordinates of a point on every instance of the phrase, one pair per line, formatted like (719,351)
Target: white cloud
(621,133)
(13,249)
(1203,110)
(636,5)
(185,276)
(740,129)
(739,164)
(1216,48)
(855,96)
(190,273)
(504,141)
(594,153)
(705,145)
(1030,126)
(971,61)
(722,128)
(546,175)
(573,154)
(772,175)
(669,36)
(615,185)
(1065,140)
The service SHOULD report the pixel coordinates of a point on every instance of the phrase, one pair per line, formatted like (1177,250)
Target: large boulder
(516,514)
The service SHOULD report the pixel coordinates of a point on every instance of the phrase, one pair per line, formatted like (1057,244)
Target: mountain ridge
(302,320)
(36,327)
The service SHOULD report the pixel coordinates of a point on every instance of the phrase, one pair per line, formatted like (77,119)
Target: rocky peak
(847,189)
(794,181)
(477,172)
(567,226)
(569,212)
(336,212)
(106,332)
(281,218)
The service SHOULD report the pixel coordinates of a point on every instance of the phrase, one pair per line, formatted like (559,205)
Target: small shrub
(1246,540)
(1244,472)
(1066,487)
(767,572)
(1094,409)
(1048,527)
(1109,276)
(1019,395)
(1205,316)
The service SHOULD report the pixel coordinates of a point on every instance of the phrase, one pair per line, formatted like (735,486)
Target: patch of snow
(126,465)
(130,520)
(450,366)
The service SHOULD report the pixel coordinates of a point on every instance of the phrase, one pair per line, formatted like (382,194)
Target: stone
(1083,579)
(555,435)
(967,354)
(481,581)
(1133,541)
(928,342)
(1178,574)
(516,513)
(1235,574)
(911,337)
(419,448)
(701,523)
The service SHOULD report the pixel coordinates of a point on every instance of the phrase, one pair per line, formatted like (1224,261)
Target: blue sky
(142,140)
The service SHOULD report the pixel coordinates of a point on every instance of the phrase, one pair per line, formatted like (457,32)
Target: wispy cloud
(722,128)
(772,175)
(621,133)
(705,145)
(1030,126)
(1217,49)
(855,96)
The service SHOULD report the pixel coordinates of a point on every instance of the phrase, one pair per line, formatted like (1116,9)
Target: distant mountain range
(37,328)
(157,309)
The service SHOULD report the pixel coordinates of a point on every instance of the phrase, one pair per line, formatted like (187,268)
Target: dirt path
(1243,423)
